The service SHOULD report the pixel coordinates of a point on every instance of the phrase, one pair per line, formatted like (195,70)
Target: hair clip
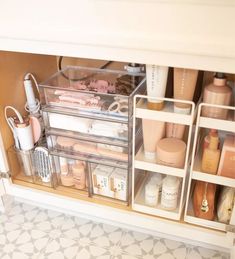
(120,105)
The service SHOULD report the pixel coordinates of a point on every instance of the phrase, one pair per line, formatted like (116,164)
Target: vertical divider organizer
(141,164)
(223,126)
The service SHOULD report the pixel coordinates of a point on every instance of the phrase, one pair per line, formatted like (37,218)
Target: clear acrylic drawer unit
(94,92)
(82,176)
(87,128)
(89,148)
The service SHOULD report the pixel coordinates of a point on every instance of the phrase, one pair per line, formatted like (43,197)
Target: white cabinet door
(3,159)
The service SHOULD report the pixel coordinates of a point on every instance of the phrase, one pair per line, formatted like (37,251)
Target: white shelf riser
(159,169)
(210,123)
(138,204)
(156,212)
(163,116)
(216,179)
(140,162)
(205,223)
(196,174)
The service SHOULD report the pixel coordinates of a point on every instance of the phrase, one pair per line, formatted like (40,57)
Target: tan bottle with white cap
(217,93)
(211,155)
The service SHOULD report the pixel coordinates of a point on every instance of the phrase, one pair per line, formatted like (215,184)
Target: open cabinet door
(4,170)
(231,232)
(3,158)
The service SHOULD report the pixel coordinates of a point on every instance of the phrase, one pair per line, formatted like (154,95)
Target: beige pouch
(225,204)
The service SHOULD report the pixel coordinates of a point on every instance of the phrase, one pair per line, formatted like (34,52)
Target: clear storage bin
(100,92)
(110,181)
(30,166)
(71,172)
(87,148)
(73,123)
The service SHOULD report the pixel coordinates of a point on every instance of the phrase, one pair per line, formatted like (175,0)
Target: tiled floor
(34,233)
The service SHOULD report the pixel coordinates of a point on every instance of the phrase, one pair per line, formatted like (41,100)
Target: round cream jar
(171,152)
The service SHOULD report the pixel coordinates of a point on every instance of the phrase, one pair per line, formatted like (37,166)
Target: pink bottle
(218,93)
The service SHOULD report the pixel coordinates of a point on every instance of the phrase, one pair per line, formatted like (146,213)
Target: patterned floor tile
(16,241)
(86,231)
(204,253)
(28,232)
(141,245)
(28,215)
(75,228)
(125,256)
(61,248)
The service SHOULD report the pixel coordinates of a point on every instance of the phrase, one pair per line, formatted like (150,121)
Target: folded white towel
(60,121)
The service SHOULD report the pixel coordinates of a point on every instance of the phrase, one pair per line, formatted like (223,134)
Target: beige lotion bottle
(211,156)
(218,93)
(153,131)
(184,87)
(156,77)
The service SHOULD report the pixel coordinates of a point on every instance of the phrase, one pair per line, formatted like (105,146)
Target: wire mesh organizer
(88,117)
(145,167)
(224,127)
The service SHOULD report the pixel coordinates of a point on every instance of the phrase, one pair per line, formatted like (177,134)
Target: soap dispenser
(217,93)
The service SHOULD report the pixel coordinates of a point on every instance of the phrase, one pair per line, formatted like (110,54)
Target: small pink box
(227,160)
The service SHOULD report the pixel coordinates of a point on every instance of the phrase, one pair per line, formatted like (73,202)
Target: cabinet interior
(13,67)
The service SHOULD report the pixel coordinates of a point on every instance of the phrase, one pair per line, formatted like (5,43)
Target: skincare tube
(156,85)
(153,131)
(184,86)
(175,130)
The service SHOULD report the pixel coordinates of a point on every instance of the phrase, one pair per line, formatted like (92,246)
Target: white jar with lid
(157,178)
(152,189)
(170,192)
(151,194)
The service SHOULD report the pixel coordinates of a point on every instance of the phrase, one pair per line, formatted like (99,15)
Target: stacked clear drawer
(87,115)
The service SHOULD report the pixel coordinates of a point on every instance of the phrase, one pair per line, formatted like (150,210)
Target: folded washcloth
(60,121)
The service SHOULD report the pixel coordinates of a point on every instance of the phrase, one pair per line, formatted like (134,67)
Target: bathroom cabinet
(189,34)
